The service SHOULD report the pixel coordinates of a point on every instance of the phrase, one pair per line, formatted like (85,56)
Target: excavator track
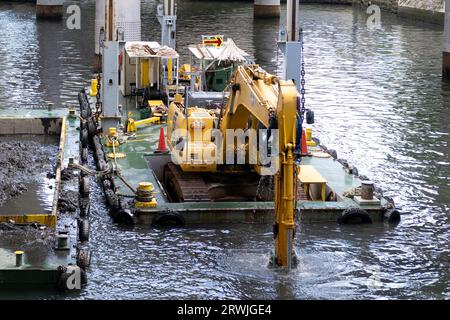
(185,186)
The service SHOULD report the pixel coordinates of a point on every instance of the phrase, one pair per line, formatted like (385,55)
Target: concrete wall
(33,126)
(389,5)
(425,10)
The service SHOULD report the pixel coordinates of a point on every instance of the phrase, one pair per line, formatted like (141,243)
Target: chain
(98,104)
(302,83)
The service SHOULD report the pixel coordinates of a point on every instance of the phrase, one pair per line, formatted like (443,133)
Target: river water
(379,101)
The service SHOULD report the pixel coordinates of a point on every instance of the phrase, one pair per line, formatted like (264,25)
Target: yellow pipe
(145,135)
(93,91)
(137,140)
(133,125)
(308,134)
(147,121)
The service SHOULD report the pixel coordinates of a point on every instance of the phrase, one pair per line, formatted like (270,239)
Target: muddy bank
(22,162)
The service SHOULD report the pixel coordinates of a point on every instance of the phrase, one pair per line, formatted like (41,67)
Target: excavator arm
(263,97)
(285,179)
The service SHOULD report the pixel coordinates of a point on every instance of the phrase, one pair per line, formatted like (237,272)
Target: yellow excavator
(199,139)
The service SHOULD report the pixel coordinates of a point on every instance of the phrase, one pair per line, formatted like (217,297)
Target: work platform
(35,246)
(138,163)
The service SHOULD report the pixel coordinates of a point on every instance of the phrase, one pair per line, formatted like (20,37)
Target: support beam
(292,14)
(266,9)
(446,50)
(110,86)
(49,9)
(99,26)
(167,17)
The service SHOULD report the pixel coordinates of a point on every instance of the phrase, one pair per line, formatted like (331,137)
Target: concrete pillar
(128,19)
(49,9)
(99,22)
(266,9)
(120,20)
(446,50)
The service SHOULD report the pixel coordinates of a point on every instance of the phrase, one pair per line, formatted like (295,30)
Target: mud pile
(37,241)
(21,162)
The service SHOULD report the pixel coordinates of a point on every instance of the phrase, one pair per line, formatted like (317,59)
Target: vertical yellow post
(284,179)
(145,81)
(170,70)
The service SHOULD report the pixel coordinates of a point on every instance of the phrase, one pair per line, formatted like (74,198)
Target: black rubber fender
(84,187)
(84,155)
(112,200)
(84,138)
(96,141)
(64,276)
(83,124)
(85,207)
(354,216)
(88,108)
(310,117)
(83,229)
(63,280)
(124,217)
(84,114)
(392,216)
(92,128)
(83,258)
(169,219)
(99,154)
(101,165)
(83,277)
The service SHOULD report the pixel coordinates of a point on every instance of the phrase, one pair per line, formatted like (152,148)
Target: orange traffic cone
(162,148)
(304,144)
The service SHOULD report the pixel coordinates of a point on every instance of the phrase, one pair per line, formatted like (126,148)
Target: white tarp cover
(229,51)
(149,49)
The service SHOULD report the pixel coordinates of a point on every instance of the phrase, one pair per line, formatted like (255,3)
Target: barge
(39,248)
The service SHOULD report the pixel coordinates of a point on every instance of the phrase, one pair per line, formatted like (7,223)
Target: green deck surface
(135,169)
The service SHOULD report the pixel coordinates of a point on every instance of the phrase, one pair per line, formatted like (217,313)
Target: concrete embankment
(424,10)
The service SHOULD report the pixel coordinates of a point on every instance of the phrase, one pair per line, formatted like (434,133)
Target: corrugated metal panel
(228,51)
(149,49)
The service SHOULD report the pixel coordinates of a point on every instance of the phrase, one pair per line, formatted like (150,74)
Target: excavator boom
(263,97)
(257,101)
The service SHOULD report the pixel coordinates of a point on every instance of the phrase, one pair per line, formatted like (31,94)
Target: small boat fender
(354,216)
(166,219)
